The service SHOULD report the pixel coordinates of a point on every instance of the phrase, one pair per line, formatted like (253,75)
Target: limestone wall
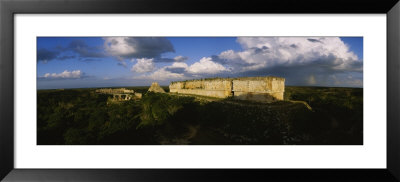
(246,88)
(220,88)
(259,88)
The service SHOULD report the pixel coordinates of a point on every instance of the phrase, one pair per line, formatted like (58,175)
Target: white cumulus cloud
(302,60)
(180,70)
(143,65)
(163,74)
(206,66)
(64,75)
(264,52)
(176,71)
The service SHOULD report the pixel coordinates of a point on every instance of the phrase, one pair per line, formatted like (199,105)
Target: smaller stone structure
(155,87)
(119,94)
(122,97)
(115,91)
(138,95)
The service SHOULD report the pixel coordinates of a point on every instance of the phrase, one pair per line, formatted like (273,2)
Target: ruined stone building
(114,91)
(265,89)
(120,94)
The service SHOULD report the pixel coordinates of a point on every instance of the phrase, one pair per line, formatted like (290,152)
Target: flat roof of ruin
(235,78)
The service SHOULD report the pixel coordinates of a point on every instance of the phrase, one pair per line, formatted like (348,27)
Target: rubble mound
(155,87)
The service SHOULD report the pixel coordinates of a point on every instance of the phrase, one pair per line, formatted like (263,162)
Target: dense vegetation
(81,116)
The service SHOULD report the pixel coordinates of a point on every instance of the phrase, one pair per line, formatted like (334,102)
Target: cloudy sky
(75,62)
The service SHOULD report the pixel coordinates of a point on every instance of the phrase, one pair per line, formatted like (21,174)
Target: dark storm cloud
(119,47)
(163,60)
(138,47)
(170,60)
(319,72)
(75,49)
(84,51)
(357,66)
(46,55)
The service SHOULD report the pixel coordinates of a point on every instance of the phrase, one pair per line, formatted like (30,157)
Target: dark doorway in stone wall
(232,92)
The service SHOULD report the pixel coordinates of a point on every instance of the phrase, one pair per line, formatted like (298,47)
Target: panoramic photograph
(199,90)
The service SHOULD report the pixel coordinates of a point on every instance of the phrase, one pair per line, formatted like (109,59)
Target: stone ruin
(120,94)
(265,89)
(155,87)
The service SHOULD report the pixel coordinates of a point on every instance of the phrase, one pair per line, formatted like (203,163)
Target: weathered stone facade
(246,88)
(114,91)
(120,94)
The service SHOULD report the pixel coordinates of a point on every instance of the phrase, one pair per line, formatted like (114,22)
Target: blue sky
(77,62)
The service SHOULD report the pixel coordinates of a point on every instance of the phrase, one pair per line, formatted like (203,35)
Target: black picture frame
(8,8)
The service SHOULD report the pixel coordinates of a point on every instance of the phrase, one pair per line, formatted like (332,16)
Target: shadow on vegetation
(81,116)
